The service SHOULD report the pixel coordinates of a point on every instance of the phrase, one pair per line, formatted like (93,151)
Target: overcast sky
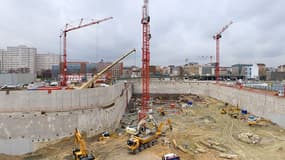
(181,29)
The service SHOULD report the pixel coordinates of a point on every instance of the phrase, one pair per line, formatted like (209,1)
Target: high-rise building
(261,71)
(46,61)
(2,52)
(18,59)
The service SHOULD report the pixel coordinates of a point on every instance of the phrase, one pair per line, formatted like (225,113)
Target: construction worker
(170,124)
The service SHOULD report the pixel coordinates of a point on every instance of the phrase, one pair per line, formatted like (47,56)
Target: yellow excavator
(81,153)
(145,134)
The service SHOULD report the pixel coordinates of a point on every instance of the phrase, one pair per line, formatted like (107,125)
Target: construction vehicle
(161,111)
(147,124)
(81,153)
(253,120)
(145,134)
(234,112)
(90,83)
(139,142)
(170,156)
(223,110)
(104,135)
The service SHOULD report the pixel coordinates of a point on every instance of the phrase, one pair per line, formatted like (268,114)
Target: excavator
(90,83)
(81,153)
(145,134)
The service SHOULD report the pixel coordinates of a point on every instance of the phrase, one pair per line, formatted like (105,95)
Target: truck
(144,135)
(137,143)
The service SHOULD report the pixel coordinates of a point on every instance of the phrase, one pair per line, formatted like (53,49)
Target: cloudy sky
(181,29)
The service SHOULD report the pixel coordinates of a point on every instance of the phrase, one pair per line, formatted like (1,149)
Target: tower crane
(145,59)
(64,33)
(217,38)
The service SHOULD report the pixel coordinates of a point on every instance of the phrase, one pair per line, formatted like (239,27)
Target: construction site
(142,118)
(197,123)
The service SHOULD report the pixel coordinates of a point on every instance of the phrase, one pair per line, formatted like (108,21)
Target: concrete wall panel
(38,117)
(271,107)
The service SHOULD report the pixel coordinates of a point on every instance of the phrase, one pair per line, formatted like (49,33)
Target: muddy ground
(200,131)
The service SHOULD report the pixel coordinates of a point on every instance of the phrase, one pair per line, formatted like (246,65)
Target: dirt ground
(199,130)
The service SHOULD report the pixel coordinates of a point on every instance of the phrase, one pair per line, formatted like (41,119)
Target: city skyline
(255,37)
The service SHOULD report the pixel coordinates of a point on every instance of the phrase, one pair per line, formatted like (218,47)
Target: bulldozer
(81,153)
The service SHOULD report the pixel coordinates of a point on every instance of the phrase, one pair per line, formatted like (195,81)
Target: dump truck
(144,135)
(137,143)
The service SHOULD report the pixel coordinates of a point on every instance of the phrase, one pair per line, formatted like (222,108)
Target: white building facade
(18,59)
(46,61)
(251,71)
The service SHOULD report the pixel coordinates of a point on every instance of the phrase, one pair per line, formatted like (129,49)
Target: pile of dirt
(249,138)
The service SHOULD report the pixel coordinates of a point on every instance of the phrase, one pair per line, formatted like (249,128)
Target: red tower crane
(64,33)
(145,59)
(217,38)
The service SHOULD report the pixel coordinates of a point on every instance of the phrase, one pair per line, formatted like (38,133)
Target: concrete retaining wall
(30,118)
(271,107)
(16,78)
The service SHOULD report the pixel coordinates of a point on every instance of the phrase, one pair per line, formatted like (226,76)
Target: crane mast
(217,38)
(145,59)
(64,33)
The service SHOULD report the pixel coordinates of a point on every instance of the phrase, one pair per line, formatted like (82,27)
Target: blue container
(190,103)
(244,111)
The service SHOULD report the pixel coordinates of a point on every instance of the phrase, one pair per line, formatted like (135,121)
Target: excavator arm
(81,153)
(79,141)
